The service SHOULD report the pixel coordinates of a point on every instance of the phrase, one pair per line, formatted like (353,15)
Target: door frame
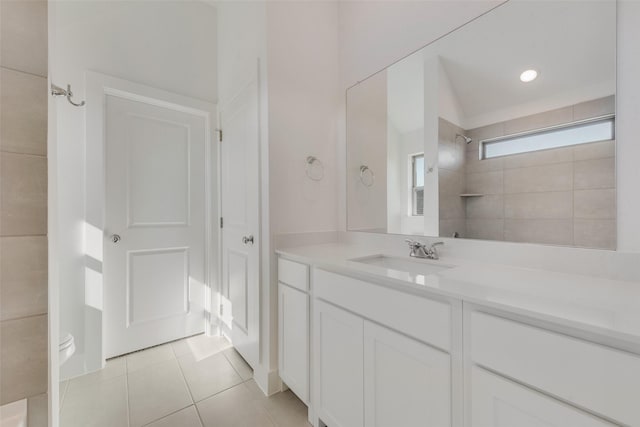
(98,87)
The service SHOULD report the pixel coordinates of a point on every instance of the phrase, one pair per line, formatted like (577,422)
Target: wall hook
(58,91)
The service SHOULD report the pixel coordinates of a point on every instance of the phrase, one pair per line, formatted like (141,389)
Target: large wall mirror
(502,130)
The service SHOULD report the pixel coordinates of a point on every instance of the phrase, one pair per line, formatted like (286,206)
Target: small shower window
(582,132)
(417,184)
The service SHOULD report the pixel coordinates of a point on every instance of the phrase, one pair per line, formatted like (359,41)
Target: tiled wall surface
(451,176)
(23,203)
(564,196)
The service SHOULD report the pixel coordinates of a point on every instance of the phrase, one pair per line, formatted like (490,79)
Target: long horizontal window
(583,132)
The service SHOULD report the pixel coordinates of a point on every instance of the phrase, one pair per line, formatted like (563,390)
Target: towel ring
(58,91)
(367,176)
(314,169)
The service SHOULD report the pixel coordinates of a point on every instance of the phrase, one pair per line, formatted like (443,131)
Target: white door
(154,250)
(293,336)
(239,154)
(406,383)
(499,402)
(339,373)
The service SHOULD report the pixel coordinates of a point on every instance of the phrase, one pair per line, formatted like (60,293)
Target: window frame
(482,145)
(415,188)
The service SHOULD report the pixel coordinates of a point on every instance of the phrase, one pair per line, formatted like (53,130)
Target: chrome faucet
(420,250)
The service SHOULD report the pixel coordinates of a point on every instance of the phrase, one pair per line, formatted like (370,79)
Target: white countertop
(609,308)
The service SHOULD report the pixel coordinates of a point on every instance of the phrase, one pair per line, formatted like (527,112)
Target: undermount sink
(410,265)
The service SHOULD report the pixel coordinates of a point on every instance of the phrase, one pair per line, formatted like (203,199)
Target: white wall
(168,45)
(375,34)
(296,44)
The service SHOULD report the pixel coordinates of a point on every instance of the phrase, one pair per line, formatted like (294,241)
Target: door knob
(247,240)
(115,238)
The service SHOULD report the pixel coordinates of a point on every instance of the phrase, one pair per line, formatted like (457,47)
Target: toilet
(66,347)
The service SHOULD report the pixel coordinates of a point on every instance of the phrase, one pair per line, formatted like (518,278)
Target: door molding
(98,87)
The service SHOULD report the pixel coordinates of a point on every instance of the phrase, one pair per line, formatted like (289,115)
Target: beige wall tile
(595,204)
(450,182)
(539,121)
(595,173)
(548,231)
(486,229)
(595,233)
(23,35)
(23,122)
(38,411)
(451,207)
(23,181)
(473,164)
(551,205)
(595,108)
(23,361)
(23,276)
(558,177)
(450,226)
(486,207)
(594,150)
(538,158)
(485,182)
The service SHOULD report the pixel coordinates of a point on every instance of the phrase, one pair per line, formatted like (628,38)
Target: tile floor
(196,382)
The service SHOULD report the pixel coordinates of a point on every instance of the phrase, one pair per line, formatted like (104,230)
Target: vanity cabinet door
(293,328)
(339,397)
(499,402)
(406,383)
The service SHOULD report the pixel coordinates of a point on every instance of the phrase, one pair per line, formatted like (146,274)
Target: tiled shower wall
(564,196)
(23,204)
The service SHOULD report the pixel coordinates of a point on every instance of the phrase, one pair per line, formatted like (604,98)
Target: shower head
(466,139)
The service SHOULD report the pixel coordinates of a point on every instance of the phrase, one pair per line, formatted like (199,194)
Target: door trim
(98,87)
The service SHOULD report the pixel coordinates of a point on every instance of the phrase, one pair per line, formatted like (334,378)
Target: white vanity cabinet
(374,365)
(293,326)
(339,366)
(552,377)
(406,382)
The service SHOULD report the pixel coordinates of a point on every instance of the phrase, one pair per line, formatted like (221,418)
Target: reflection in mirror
(502,130)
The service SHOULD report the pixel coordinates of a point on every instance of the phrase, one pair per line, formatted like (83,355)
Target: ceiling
(570,43)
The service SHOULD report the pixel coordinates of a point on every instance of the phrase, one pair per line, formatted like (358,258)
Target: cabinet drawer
(424,319)
(594,377)
(293,274)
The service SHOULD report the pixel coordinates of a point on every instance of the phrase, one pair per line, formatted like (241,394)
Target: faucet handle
(433,245)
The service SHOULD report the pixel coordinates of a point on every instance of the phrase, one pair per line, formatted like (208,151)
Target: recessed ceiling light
(528,76)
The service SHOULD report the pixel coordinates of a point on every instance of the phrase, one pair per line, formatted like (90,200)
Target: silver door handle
(247,239)
(115,238)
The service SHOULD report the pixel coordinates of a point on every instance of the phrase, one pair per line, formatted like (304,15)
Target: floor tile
(208,376)
(235,407)
(157,391)
(285,408)
(200,346)
(242,367)
(114,368)
(146,358)
(102,404)
(187,417)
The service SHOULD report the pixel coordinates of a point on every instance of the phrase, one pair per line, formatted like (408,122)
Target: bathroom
(254,268)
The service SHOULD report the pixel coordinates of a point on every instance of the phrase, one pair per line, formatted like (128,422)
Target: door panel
(293,335)
(155,202)
(240,211)
(406,383)
(339,376)
(498,402)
